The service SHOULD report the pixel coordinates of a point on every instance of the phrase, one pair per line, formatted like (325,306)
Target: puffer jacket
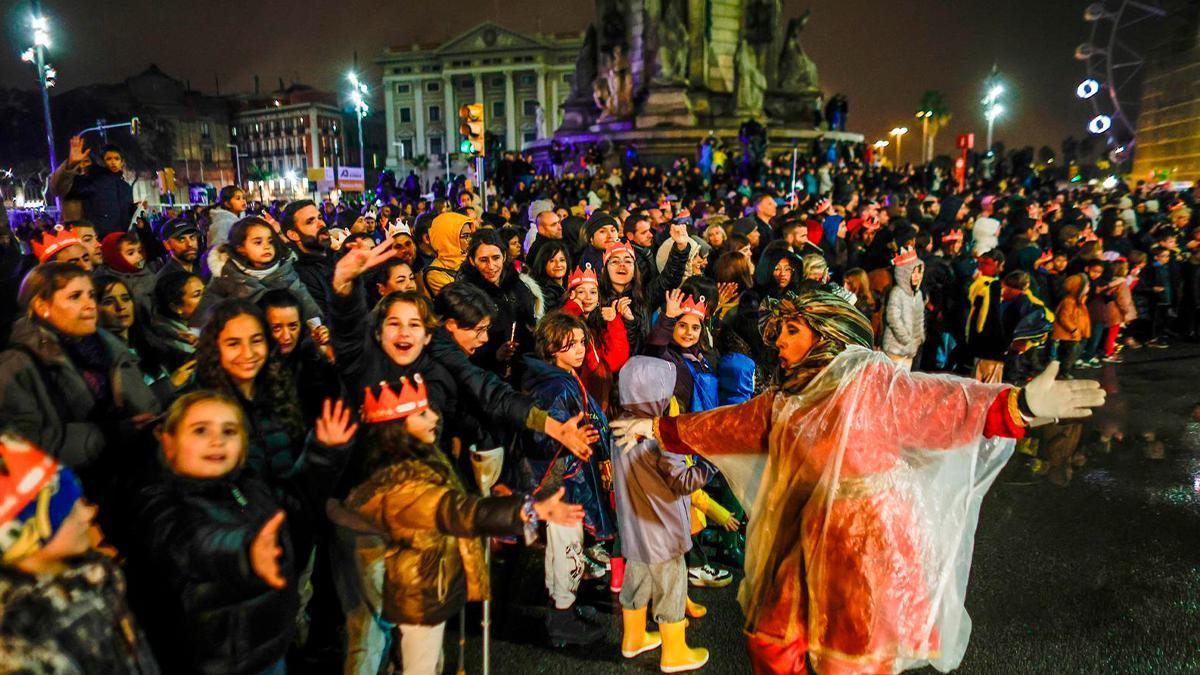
(445,240)
(904,326)
(515,318)
(192,583)
(234,282)
(1072,322)
(434,560)
(44,397)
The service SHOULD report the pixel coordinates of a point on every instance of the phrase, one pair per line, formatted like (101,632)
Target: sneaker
(1115,358)
(598,555)
(709,577)
(565,627)
(1157,344)
(1093,362)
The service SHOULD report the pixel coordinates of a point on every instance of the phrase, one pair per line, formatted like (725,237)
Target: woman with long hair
(622,278)
(233,357)
(550,268)
(119,315)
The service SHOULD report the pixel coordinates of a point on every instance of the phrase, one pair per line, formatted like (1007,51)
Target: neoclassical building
(520,78)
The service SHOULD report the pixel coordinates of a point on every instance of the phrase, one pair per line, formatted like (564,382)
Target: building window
(204,131)
(568,78)
(460,63)
(429,69)
(528,80)
(208,154)
(529,137)
(406,69)
(406,147)
(435,145)
(403,88)
(529,107)
(491,62)
(496,82)
(435,113)
(497,108)
(433,86)
(405,115)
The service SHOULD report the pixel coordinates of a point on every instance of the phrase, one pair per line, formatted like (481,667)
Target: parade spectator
(95,192)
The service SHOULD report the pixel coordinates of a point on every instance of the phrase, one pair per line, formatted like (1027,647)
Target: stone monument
(661,76)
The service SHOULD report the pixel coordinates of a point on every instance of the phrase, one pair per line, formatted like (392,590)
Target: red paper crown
(388,406)
(1044,258)
(823,206)
(906,256)
(696,308)
(1175,205)
(952,235)
(619,247)
(53,242)
(26,472)
(581,276)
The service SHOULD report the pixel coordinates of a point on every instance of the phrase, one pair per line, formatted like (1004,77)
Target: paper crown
(581,276)
(952,235)
(388,406)
(906,256)
(397,228)
(823,206)
(26,472)
(1044,258)
(52,242)
(870,224)
(619,247)
(696,308)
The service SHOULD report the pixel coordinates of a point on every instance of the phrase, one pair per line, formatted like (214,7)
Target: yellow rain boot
(636,640)
(677,657)
(695,610)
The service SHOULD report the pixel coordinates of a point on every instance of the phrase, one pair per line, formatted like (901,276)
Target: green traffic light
(465,146)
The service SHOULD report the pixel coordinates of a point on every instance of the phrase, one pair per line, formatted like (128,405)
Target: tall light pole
(898,132)
(992,108)
(924,116)
(361,109)
(237,161)
(879,146)
(45,72)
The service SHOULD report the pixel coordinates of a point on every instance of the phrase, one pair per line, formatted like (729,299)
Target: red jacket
(606,354)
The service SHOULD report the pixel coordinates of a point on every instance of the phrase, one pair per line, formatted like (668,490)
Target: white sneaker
(598,555)
(709,577)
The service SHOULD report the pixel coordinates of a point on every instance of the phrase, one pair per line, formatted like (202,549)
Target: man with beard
(85,232)
(306,232)
(639,231)
(181,239)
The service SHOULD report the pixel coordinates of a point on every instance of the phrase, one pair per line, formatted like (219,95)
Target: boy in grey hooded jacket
(904,317)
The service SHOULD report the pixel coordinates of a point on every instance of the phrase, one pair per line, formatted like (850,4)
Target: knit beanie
(597,221)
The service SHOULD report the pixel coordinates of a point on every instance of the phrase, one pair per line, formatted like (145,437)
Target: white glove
(1049,398)
(627,433)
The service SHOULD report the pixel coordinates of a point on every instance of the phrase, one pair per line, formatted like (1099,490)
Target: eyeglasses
(480,331)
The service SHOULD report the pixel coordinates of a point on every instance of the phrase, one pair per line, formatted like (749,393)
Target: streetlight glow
(1087,89)
(28,55)
(994,112)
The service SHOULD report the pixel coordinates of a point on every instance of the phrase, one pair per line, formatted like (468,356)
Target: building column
(553,110)
(449,116)
(510,119)
(314,158)
(389,115)
(542,132)
(419,117)
(479,91)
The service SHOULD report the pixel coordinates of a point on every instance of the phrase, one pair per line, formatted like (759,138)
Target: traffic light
(470,118)
(135,126)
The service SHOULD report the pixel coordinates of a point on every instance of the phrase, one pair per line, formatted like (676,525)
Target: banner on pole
(351,179)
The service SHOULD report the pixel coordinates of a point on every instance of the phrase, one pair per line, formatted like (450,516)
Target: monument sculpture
(659,76)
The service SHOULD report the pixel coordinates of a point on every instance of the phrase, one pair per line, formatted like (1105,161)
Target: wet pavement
(1093,568)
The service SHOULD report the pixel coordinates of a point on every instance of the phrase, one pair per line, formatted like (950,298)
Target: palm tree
(935,115)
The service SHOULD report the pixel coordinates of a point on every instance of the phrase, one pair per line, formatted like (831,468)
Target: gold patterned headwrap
(830,314)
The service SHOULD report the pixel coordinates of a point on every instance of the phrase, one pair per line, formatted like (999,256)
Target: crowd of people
(243,437)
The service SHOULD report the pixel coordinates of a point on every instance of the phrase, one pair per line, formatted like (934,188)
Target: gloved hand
(627,433)
(1052,399)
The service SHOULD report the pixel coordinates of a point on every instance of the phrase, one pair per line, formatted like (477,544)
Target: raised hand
(727,292)
(333,426)
(1051,399)
(576,437)
(674,308)
(625,308)
(358,261)
(679,234)
(78,154)
(554,510)
(183,373)
(609,313)
(265,552)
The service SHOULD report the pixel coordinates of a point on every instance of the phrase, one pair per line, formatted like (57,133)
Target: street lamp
(358,91)
(45,72)
(237,161)
(992,108)
(924,116)
(898,132)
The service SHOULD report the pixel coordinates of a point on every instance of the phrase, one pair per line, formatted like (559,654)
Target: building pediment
(487,37)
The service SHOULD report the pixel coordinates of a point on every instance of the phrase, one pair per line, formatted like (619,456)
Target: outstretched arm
(734,429)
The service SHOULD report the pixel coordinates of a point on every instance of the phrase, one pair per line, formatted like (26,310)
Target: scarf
(832,317)
(253,272)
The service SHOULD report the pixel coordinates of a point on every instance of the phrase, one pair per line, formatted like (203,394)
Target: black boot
(565,627)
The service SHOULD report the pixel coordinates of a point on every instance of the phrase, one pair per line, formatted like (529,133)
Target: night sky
(882,54)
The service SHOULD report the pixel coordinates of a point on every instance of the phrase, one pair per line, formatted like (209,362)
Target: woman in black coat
(510,337)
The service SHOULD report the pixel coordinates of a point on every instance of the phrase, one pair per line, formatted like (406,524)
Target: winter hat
(597,221)
(110,249)
(744,227)
(36,496)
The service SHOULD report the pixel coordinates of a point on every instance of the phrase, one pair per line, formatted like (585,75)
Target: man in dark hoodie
(306,232)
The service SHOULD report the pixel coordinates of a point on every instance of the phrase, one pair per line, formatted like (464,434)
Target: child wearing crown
(433,559)
(676,338)
(608,347)
(904,315)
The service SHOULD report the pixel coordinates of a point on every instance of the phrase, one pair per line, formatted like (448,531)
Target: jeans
(1091,347)
(1068,352)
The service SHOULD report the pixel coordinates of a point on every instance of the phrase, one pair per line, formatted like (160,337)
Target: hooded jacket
(1072,322)
(904,328)
(140,282)
(445,240)
(434,560)
(652,487)
(237,282)
(44,397)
